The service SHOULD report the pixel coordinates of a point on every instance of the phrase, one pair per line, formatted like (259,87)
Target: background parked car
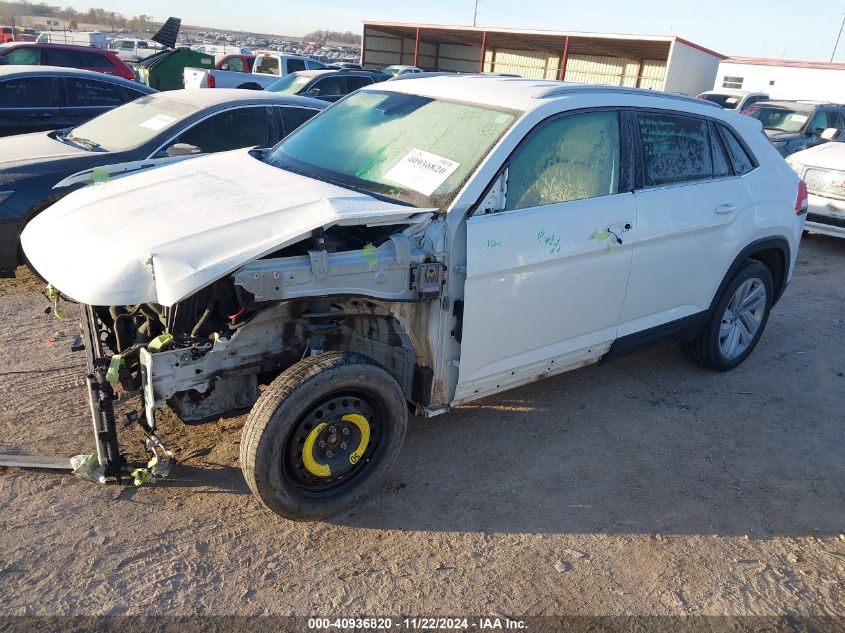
(133,50)
(236,63)
(795,125)
(66,56)
(328,85)
(265,70)
(78,38)
(396,71)
(163,127)
(823,169)
(36,98)
(731,99)
(16,34)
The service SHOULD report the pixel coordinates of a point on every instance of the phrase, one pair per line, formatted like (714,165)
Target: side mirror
(829,134)
(182,149)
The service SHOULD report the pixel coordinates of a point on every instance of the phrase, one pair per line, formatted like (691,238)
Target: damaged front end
(370,289)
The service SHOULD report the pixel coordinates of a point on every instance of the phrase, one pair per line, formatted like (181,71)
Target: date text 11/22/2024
(417,624)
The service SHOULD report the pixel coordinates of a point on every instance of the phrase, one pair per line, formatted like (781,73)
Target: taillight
(803,201)
(212,82)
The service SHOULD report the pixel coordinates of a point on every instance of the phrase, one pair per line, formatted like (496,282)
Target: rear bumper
(826,216)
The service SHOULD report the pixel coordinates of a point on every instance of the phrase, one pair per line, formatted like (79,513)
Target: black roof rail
(563,90)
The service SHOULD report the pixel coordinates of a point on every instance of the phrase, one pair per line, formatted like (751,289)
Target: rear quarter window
(742,161)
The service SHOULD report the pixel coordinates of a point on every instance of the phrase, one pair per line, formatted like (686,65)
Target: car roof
(203,98)
(516,93)
(733,92)
(75,47)
(63,71)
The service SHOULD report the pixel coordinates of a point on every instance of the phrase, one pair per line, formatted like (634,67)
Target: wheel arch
(772,252)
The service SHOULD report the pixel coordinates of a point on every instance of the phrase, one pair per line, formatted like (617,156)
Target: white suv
(419,245)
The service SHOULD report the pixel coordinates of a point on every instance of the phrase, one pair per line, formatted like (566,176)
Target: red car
(236,63)
(16,34)
(67,56)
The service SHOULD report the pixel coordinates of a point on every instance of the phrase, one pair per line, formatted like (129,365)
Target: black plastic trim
(678,331)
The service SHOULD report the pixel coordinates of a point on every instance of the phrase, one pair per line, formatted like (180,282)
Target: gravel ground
(644,486)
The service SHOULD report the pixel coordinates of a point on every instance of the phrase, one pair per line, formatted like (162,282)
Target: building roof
(516,93)
(580,43)
(784,63)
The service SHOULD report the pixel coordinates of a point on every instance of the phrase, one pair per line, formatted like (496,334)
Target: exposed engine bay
(336,290)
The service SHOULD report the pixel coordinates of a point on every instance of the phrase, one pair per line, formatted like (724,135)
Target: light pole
(833,54)
(475,13)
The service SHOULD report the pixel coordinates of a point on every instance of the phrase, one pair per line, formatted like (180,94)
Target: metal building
(657,62)
(784,79)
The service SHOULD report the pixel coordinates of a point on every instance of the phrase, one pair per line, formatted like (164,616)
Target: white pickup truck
(268,67)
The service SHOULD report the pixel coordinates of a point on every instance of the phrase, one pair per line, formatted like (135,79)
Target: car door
(545,277)
(693,208)
(234,128)
(27,104)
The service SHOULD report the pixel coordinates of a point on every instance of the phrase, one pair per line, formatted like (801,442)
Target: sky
(792,29)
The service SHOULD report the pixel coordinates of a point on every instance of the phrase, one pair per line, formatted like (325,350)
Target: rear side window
(236,64)
(675,149)
(292,118)
(569,158)
(23,56)
(93,60)
(330,86)
(65,58)
(29,92)
(81,93)
(353,82)
(742,162)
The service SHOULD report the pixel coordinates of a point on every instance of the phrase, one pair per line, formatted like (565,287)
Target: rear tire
(738,319)
(323,435)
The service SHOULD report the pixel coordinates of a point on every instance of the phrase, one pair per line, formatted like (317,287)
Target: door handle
(725,208)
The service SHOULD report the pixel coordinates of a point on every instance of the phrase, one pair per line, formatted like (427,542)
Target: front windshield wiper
(88,144)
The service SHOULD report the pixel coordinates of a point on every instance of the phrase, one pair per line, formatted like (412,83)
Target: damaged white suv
(416,246)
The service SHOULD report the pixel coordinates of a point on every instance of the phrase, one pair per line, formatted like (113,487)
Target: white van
(78,38)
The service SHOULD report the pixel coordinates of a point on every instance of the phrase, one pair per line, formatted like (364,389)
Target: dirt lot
(644,486)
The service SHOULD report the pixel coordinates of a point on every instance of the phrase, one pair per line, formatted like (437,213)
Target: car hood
(162,235)
(825,156)
(38,147)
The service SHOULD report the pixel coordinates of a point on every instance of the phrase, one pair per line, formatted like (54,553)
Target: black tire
(705,349)
(272,447)
(251,85)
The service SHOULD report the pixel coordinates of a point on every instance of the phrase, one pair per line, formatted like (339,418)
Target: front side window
(292,117)
(29,92)
(233,129)
(419,150)
(674,149)
(570,158)
(267,66)
(27,56)
(236,64)
(330,86)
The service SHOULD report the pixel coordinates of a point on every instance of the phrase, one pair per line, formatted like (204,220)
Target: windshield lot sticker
(422,171)
(158,122)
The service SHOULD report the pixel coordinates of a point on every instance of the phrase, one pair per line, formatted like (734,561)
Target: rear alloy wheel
(737,321)
(323,435)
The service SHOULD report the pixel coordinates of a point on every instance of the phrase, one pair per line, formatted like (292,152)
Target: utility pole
(475,14)
(833,54)
(13,29)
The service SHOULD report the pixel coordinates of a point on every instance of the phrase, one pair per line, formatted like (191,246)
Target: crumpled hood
(32,148)
(829,155)
(161,235)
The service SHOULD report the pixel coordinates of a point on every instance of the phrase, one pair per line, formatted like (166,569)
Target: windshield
(780,119)
(415,149)
(728,102)
(133,124)
(289,84)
